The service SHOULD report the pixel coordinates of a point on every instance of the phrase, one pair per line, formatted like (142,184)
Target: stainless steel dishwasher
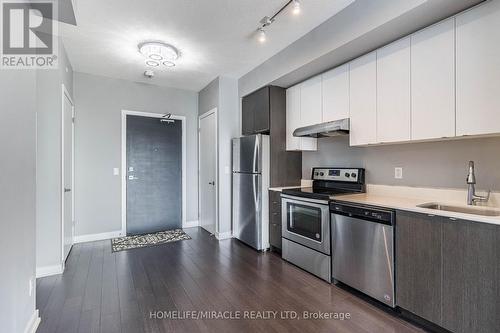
(363,249)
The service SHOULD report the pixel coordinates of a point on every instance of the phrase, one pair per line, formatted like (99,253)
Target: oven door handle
(301,199)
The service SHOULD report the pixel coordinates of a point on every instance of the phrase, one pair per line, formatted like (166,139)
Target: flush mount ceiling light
(158,53)
(267,21)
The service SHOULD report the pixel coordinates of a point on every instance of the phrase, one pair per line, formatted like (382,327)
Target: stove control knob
(347,174)
(353,175)
(321,174)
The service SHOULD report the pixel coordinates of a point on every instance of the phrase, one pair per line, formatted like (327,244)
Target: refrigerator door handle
(256,155)
(255,190)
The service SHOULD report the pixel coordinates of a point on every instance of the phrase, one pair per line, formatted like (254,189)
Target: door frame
(126,113)
(65,94)
(204,115)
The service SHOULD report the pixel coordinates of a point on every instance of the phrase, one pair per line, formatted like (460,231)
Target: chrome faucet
(472,198)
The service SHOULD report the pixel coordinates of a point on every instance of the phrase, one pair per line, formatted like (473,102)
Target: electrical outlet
(398,173)
(31,287)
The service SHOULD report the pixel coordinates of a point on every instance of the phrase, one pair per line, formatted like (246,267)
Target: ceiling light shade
(262,35)
(152,63)
(158,51)
(296,7)
(167,63)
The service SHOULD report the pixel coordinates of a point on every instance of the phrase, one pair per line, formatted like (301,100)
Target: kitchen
(250,166)
(392,143)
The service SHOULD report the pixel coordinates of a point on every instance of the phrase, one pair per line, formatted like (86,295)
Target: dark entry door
(154,175)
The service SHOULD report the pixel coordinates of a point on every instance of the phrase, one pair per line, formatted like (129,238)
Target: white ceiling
(215,37)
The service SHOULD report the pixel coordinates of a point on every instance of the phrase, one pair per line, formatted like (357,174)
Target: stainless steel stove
(306,217)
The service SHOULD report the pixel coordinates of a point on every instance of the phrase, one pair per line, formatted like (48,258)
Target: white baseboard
(97,237)
(223,235)
(33,323)
(191,224)
(49,270)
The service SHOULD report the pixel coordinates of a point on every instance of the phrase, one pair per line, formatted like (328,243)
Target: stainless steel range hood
(331,128)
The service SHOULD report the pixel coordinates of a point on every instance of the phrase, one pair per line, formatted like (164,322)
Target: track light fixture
(267,21)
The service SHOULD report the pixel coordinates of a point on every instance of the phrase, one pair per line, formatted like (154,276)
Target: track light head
(296,7)
(261,35)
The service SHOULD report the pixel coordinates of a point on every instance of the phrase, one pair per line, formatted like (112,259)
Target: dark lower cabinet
(275,220)
(448,271)
(418,264)
(471,276)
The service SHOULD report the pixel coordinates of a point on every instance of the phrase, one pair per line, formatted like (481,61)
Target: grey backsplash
(430,164)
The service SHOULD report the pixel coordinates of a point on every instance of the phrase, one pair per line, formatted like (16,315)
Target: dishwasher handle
(384,216)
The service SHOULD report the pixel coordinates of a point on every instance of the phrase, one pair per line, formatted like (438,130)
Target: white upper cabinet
(478,70)
(293,121)
(363,100)
(393,92)
(292,117)
(433,82)
(336,93)
(310,101)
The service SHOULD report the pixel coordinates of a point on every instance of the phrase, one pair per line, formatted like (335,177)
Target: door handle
(67,190)
(211,183)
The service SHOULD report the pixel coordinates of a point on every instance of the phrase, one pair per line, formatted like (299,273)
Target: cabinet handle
(453,219)
(431,215)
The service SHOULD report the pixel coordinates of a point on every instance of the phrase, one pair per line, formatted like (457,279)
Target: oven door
(307,222)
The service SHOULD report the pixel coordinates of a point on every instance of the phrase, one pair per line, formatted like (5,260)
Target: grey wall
(99,101)
(48,194)
(208,97)
(358,29)
(222,93)
(431,164)
(229,124)
(17,197)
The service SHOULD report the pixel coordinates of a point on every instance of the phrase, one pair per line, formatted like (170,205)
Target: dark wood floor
(109,292)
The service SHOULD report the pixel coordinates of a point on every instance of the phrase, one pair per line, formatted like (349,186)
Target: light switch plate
(116,171)
(398,173)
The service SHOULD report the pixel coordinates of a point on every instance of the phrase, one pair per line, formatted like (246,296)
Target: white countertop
(404,201)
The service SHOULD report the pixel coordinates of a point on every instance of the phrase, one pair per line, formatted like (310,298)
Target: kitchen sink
(458,209)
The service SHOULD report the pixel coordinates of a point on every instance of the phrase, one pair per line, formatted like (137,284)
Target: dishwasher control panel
(363,212)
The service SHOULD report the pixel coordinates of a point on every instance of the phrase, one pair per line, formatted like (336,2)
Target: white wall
(48,192)
(17,197)
(98,104)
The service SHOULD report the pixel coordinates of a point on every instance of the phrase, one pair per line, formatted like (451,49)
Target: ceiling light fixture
(267,21)
(158,53)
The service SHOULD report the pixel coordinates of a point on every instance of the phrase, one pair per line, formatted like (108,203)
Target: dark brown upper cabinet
(256,110)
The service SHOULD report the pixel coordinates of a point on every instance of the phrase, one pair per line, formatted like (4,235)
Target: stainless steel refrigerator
(250,190)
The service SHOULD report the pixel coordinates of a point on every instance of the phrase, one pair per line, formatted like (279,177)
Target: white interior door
(68,226)
(208,169)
